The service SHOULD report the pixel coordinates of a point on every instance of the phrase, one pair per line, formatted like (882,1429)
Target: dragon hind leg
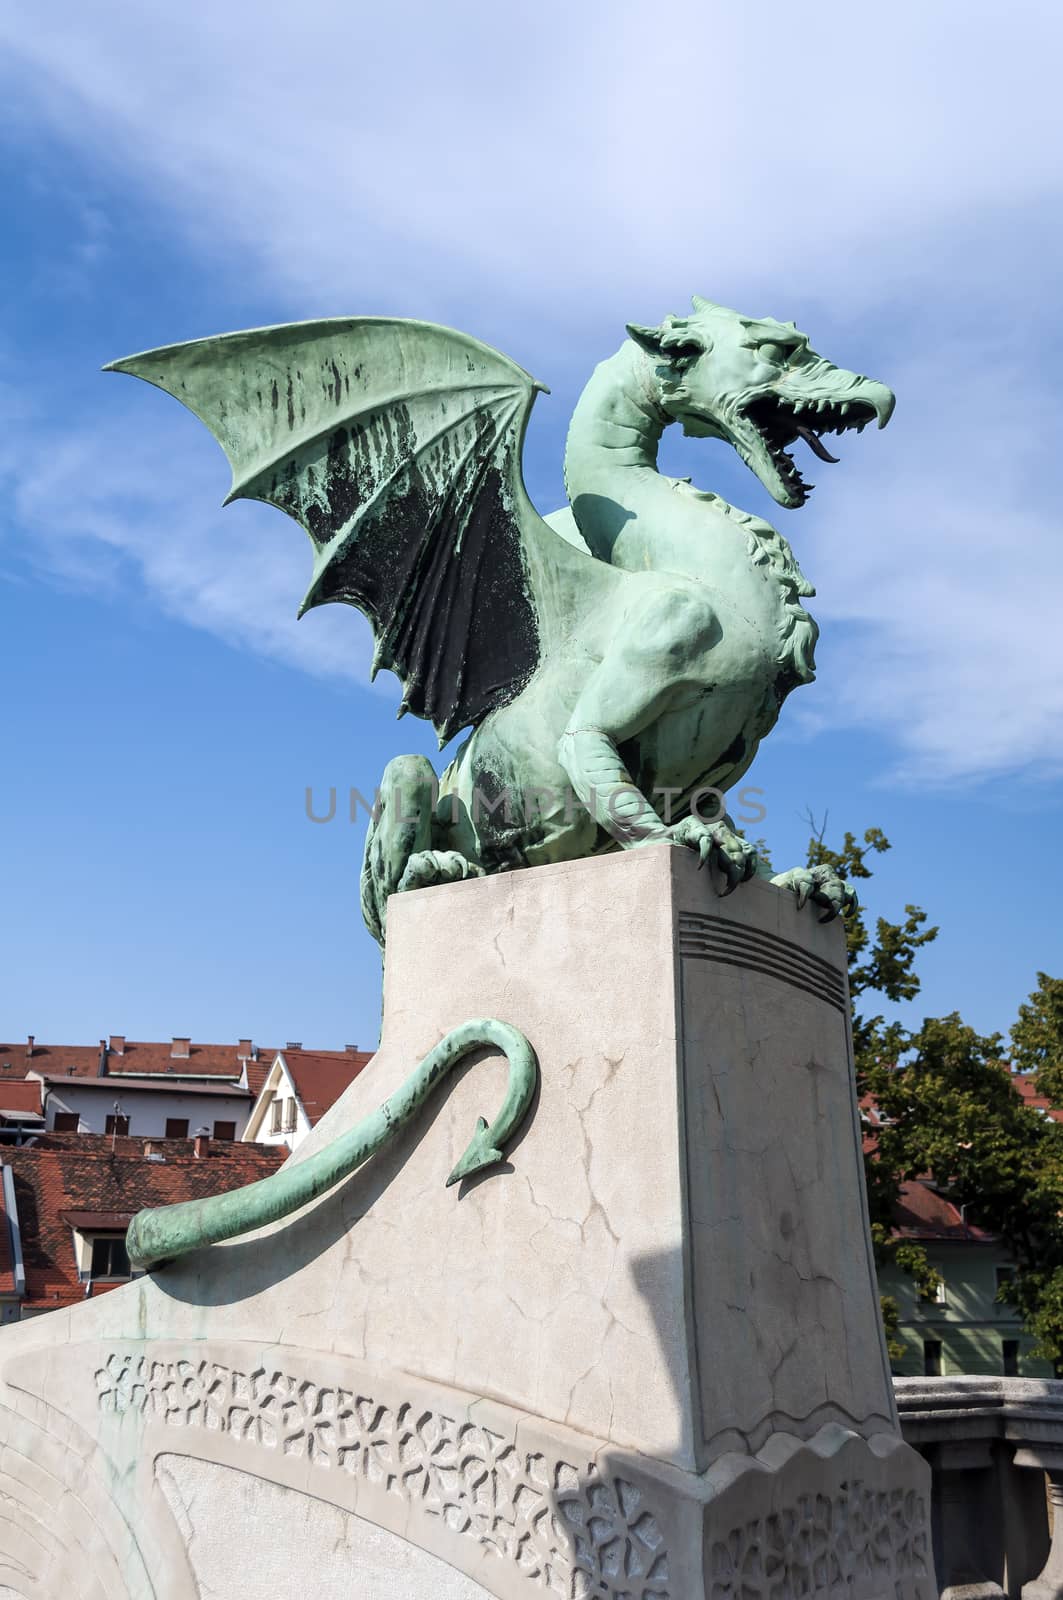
(399,851)
(401,826)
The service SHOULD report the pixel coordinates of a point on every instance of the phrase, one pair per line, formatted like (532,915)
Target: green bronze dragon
(616,661)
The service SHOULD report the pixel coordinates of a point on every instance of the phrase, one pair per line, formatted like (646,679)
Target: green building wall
(970,1325)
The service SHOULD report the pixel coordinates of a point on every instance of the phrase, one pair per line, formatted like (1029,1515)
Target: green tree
(882,964)
(1037,1037)
(953,1116)
(950,1111)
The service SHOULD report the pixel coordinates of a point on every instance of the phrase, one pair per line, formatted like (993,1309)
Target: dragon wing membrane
(397,446)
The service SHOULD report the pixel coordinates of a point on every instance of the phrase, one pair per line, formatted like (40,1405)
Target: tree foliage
(961,1121)
(950,1113)
(883,964)
(953,1117)
(1037,1037)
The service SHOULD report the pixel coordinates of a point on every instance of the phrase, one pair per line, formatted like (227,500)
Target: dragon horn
(648,338)
(700,304)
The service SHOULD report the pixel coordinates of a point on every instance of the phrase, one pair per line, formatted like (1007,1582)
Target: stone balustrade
(995,1447)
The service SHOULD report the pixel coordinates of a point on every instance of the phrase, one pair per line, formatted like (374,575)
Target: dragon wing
(397,446)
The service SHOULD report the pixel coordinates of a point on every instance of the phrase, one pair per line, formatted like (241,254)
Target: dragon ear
(648,338)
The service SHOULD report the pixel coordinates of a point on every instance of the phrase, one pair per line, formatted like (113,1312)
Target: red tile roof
(136,1057)
(82,1059)
(20,1094)
(321,1076)
(922,1213)
(1026,1084)
(258,1071)
(202,1060)
(63,1175)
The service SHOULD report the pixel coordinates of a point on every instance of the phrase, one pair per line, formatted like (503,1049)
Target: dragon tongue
(814,443)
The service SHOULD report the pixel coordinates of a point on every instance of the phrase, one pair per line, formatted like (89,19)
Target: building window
(275,1112)
(117,1124)
(289,1116)
(177,1127)
(1009,1350)
(109,1258)
(932,1358)
(66,1122)
(225,1130)
(1004,1275)
(941,1294)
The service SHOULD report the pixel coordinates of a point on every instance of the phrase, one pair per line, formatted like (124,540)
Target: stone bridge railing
(995,1446)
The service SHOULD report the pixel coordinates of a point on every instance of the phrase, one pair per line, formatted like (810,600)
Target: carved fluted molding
(991,1444)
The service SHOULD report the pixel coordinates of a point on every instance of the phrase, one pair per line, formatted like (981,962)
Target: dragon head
(759,385)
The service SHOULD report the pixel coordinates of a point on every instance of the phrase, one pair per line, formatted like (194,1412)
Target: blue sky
(537,176)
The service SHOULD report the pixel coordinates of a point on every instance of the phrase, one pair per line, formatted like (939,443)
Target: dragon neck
(628,513)
(611,451)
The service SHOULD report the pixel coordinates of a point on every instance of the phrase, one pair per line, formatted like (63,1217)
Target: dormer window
(109,1257)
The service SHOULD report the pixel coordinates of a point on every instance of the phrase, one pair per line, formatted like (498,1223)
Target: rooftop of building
(67,1181)
(20,1097)
(160,1083)
(321,1076)
(922,1213)
(119,1056)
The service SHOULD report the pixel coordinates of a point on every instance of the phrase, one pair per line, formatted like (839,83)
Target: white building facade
(168,1108)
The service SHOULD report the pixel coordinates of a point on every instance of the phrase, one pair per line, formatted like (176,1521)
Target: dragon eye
(780,351)
(683,356)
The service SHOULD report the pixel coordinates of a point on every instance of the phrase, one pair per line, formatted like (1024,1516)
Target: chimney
(29,1044)
(118,1043)
(244,1051)
(200,1146)
(352,1049)
(294,1044)
(182,1049)
(101,1060)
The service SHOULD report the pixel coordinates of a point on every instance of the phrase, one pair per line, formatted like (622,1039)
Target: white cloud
(942,548)
(350,150)
(884,175)
(122,503)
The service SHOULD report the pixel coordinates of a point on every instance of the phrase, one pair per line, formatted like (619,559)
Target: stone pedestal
(644,1359)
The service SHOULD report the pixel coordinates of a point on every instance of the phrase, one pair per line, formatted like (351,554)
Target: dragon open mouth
(779,423)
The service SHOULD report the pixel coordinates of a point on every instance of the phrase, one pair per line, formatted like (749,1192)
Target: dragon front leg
(646,674)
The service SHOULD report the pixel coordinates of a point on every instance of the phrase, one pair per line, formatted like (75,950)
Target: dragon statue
(615,661)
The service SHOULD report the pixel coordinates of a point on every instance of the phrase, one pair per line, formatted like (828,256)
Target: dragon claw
(428,867)
(718,845)
(823,886)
